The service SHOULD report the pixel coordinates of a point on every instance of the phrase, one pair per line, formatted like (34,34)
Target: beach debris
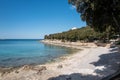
(60,66)
(41,69)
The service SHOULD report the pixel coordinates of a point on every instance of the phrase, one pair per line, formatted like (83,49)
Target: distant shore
(92,63)
(76,45)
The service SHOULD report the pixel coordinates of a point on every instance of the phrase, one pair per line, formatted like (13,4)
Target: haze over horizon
(32,19)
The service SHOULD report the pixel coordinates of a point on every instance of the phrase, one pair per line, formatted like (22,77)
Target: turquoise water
(15,53)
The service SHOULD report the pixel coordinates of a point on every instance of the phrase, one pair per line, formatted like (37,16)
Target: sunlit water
(15,53)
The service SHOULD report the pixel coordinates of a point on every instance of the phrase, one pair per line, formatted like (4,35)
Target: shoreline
(84,65)
(51,61)
(55,60)
(74,45)
(59,59)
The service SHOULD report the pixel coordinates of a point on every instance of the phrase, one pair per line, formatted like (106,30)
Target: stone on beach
(27,67)
(60,66)
(41,69)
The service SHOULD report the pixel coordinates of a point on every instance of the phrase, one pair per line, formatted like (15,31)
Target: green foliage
(84,34)
(99,14)
(118,43)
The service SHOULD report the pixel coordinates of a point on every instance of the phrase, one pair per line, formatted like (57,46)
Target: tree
(80,34)
(99,14)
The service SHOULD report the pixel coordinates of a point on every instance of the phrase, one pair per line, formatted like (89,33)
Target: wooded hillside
(85,34)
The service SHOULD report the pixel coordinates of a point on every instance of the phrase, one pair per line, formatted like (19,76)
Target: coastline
(74,45)
(79,66)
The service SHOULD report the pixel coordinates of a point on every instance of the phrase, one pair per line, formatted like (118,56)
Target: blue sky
(25,19)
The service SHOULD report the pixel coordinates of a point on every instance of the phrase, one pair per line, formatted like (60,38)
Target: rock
(60,66)
(27,67)
(41,69)
(16,71)
(4,71)
(108,46)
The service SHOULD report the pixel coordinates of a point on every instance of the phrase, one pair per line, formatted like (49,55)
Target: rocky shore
(92,63)
(76,45)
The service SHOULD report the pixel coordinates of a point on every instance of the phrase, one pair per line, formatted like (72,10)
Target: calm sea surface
(18,52)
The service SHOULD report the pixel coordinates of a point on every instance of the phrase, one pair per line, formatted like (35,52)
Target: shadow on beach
(110,62)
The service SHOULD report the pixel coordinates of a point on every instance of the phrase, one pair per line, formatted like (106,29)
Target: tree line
(86,34)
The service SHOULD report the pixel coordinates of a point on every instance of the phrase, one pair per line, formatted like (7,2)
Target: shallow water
(18,52)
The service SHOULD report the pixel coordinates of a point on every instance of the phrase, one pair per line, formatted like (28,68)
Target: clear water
(15,53)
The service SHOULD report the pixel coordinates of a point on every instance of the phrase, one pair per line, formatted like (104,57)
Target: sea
(19,52)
